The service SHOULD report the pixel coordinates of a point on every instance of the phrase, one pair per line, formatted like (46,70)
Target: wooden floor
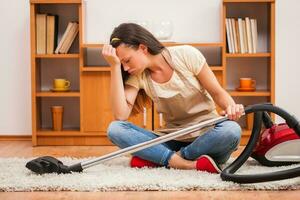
(24,149)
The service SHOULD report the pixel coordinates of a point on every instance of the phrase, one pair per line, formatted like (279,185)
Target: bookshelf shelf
(67,132)
(96,69)
(245,55)
(92,45)
(257,93)
(57,55)
(58,94)
(217,68)
(165,44)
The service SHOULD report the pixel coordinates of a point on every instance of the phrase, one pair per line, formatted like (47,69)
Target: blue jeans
(218,142)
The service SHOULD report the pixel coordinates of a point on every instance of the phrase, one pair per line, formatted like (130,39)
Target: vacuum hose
(259,112)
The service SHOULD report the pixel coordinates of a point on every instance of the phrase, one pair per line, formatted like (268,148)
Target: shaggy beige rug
(116,175)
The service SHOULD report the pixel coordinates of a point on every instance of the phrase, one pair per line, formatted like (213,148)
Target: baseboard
(15,137)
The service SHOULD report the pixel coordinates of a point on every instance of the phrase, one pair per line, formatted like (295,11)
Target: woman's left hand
(234,112)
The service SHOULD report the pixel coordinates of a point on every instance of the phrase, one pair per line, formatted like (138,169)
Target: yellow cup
(61,84)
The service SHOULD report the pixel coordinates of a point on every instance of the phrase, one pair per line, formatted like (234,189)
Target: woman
(185,91)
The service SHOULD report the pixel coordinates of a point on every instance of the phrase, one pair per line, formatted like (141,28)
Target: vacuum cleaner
(276,145)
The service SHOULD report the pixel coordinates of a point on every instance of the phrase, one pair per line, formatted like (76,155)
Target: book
(41,26)
(253,23)
(237,36)
(63,37)
(52,32)
(249,35)
(245,36)
(235,49)
(228,35)
(70,38)
(67,38)
(241,34)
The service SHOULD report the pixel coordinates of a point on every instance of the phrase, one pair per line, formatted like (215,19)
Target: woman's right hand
(109,54)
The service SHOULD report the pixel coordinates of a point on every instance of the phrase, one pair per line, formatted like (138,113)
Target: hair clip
(115,39)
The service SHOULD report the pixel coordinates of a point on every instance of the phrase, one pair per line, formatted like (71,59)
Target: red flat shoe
(139,163)
(207,164)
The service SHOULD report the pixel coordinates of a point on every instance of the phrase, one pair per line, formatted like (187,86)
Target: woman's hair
(132,35)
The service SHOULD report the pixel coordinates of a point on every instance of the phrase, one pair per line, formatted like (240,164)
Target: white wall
(193,19)
(15,89)
(287,54)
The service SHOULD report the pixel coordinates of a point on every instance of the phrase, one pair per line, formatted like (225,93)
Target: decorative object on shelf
(163,30)
(247,84)
(57,117)
(61,85)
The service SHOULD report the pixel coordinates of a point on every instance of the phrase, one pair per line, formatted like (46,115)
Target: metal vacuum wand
(153,142)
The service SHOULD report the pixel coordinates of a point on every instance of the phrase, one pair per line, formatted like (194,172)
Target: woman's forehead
(124,51)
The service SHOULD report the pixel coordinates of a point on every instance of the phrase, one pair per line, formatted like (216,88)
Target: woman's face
(134,61)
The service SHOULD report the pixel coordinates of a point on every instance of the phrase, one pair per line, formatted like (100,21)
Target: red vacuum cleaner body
(278,145)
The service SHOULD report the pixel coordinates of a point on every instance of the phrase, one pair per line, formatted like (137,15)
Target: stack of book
(241,35)
(67,38)
(47,35)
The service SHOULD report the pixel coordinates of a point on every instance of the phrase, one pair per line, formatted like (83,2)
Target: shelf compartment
(49,69)
(259,10)
(58,94)
(67,11)
(73,55)
(92,58)
(251,67)
(71,115)
(211,51)
(212,54)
